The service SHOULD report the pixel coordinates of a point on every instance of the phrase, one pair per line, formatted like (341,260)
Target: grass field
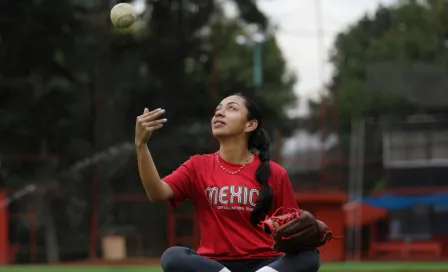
(334,267)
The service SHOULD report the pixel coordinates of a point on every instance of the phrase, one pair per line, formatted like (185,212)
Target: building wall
(418,177)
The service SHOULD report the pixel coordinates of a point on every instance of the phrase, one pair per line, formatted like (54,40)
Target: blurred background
(354,94)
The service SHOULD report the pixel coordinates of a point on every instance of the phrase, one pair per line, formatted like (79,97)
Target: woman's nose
(219,113)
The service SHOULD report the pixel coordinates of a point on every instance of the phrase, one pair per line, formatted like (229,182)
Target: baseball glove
(295,231)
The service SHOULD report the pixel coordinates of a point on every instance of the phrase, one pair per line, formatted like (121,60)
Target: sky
(298,37)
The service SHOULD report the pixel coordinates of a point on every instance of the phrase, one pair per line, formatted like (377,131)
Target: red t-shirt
(224,202)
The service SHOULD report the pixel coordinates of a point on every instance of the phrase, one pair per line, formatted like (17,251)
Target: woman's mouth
(219,123)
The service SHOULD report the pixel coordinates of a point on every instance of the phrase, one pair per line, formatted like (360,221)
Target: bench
(405,250)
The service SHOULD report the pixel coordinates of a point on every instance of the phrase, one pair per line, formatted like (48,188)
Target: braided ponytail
(259,142)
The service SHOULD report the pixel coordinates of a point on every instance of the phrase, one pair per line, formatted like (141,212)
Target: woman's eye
(232,108)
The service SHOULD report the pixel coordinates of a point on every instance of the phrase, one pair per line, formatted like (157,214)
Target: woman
(232,190)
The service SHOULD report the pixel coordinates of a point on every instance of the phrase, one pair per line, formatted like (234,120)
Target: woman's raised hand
(147,123)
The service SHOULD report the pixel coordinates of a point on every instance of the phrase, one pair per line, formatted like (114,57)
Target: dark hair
(259,140)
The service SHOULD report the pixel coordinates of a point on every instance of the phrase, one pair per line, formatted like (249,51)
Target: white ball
(122,15)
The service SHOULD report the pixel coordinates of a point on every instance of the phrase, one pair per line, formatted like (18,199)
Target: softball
(122,15)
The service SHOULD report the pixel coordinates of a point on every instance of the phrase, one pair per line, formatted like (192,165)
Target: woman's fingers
(147,112)
(149,116)
(147,123)
(153,128)
(154,123)
(146,117)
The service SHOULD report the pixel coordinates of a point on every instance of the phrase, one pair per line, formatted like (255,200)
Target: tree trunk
(51,239)
(45,173)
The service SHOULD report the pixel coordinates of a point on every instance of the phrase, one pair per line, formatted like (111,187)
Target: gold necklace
(230,172)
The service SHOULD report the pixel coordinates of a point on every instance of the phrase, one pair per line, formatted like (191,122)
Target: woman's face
(230,118)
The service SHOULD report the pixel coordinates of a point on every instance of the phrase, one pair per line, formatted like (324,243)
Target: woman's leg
(182,259)
(307,261)
(250,265)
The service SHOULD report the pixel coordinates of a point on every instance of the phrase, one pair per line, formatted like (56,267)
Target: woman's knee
(307,261)
(182,259)
(314,260)
(173,258)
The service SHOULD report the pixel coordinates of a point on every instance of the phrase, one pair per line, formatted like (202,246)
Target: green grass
(387,266)
(331,267)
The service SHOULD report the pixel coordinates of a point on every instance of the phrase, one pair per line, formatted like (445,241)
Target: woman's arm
(175,187)
(146,124)
(155,188)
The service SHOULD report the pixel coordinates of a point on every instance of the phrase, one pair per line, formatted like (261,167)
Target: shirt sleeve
(284,196)
(181,182)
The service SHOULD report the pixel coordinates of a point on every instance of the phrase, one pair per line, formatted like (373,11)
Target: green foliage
(277,93)
(80,79)
(410,31)
(71,85)
(375,64)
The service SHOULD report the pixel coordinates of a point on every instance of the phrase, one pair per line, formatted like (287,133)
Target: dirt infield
(124,262)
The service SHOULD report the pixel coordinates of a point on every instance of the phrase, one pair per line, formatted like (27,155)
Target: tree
(379,61)
(72,85)
(398,35)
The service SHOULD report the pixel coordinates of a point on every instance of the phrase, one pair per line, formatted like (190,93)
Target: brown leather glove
(296,230)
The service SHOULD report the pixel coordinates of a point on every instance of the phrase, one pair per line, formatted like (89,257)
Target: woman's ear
(251,125)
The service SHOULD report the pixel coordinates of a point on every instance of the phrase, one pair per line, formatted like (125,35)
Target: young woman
(232,190)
